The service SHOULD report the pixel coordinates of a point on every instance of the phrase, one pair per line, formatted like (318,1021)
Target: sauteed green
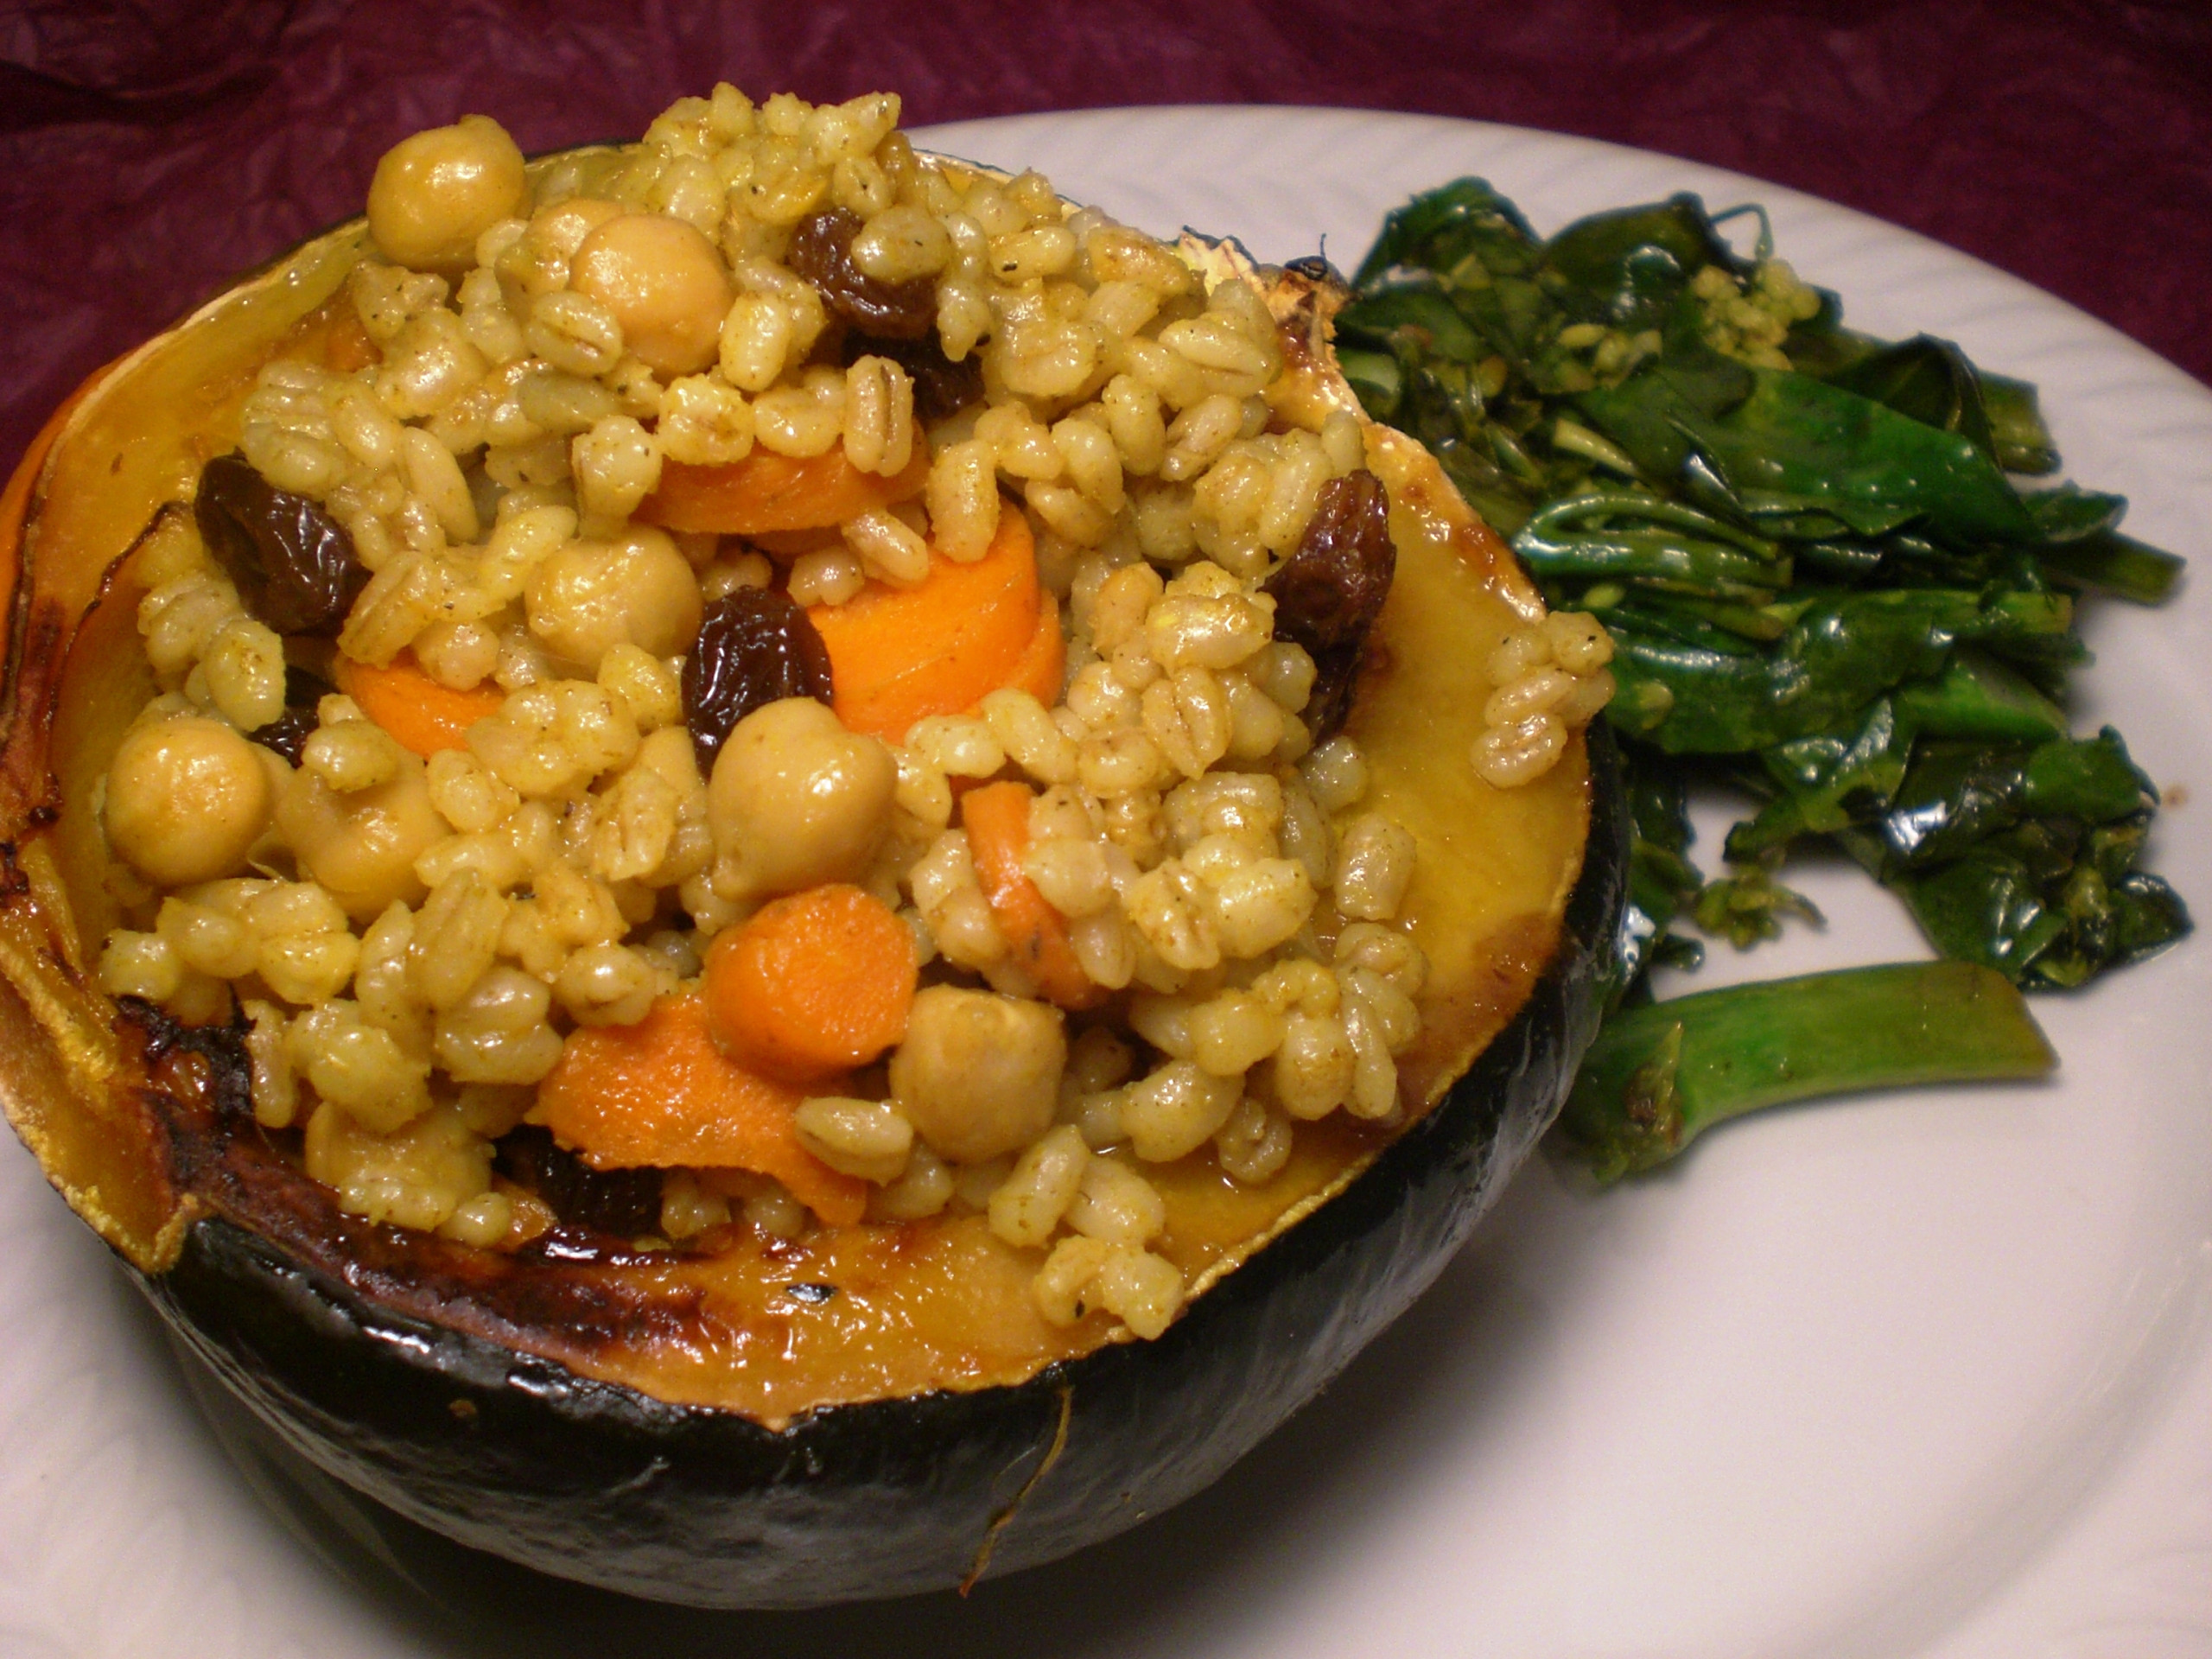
(1826,590)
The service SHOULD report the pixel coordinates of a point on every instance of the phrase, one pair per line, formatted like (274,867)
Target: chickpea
(589,597)
(362,846)
(978,1074)
(436,193)
(666,285)
(187,799)
(796,800)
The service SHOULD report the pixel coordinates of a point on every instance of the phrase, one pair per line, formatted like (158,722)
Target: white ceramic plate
(1922,1375)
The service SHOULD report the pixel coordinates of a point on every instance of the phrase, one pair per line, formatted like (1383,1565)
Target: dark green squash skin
(598,1482)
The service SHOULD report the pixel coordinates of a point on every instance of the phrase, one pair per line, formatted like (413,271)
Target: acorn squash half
(871,1411)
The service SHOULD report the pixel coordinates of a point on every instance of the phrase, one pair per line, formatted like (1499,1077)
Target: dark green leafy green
(1824,589)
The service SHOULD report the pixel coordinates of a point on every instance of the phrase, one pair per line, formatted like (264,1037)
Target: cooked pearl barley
(616,465)
(1517,654)
(706,423)
(1396,1016)
(1028,1206)
(1187,716)
(351,755)
(1071,873)
(962,498)
(498,1033)
(605,985)
(902,244)
(1116,1206)
(457,655)
(456,936)
(889,549)
(140,964)
(1060,1285)
(961,744)
(276,1089)
(687,1208)
(1135,422)
(1029,736)
(207,939)
(924,1189)
(879,417)
(1262,906)
(1538,692)
(1314,1066)
(1335,774)
(431,363)
(803,421)
(867,1139)
(1177,1109)
(828,577)
(1233,1032)
(1384,951)
(1188,630)
(245,670)
(1375,865)
(1506,756)
(1374,1075)
(358,1067)
(1141,1289)
(1579,641)
(576,332)
(1105,948)
(1254,1144)
(1198,436)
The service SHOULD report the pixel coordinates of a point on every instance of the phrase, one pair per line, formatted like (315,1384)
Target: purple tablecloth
(149,149)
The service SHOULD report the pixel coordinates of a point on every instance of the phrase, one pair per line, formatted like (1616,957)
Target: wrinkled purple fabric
(150,148)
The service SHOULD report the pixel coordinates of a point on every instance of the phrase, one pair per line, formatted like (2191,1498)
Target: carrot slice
(659,1093)
(812,984)
(1043,666)
(896,655)
(412,706)
(765,493)
(997,817)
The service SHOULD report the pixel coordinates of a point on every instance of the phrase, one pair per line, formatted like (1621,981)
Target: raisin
(623,1202)
(1330,591)
(288,732)
(755,647)
(942,387)
(822,252)
(292,562)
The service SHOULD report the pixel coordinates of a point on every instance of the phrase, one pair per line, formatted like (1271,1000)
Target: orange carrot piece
(409,704)
(1043,662)
(997,817)
(765,493)
(659,1093)
(812,984)
(898,654)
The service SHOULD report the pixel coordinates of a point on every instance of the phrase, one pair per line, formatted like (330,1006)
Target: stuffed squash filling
(889,756)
